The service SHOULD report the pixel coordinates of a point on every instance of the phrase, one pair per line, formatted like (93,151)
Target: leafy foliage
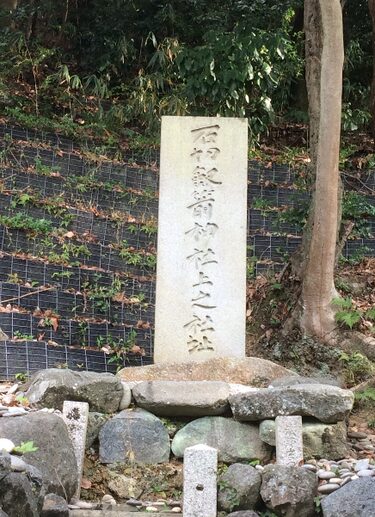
(357,208)
(357,367)
(93,67)
(368,395)
(348,315)
(147,59)
(239,73)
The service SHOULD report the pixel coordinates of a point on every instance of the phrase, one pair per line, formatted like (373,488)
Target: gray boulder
(325,440)
(299,379)
(239,488)
(289,491)
(267,432)
(355,499)
(319,440)
(183,398)
(54,457)
(94,424)
(126,396)
(134,435)
(326,403)
(55,506)
(234,441)
(49,388)
(21,493)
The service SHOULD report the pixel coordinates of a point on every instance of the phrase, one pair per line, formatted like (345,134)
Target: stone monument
(201,268)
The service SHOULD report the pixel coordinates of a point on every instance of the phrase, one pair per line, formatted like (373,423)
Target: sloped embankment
(78,248)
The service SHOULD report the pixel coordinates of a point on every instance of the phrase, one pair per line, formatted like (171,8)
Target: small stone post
(200,481)
(76,415)
(289,446)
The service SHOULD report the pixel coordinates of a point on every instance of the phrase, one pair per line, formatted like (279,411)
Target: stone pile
(363,443)
(290,491)
(334,474)
(147,421)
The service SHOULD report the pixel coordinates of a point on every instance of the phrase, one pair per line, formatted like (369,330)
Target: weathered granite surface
(251,371)
(326,403)
(201,269)
(49,388)
(319,440)
(235,441)
(183,398)
(289,491)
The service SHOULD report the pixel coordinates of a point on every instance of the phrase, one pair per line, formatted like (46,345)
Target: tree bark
(313,54)
(9,6)
(325,51)
(371,6)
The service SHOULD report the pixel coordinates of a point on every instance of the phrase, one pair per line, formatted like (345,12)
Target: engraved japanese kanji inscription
(201,271)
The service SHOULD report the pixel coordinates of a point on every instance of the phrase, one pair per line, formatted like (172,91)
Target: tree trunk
(371,6)
(9,6)
(325,57)
(313,54)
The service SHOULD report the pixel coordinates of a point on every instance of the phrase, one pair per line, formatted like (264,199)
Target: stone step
(118,513)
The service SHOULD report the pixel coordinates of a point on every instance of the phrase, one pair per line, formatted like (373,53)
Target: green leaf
(343,303)
(267,103)
(25,447)
(348,318)
(280,52)
(212,66)
(370,314)
(267,68)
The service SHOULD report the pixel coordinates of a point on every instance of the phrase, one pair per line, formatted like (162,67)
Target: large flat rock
(326,403)
(51,387)
(183,398)
(120,510)
(251,371)
(234,441)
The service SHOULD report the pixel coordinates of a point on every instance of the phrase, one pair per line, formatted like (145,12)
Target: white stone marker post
(200,481)
(289,445)
(76,415)
(201,262)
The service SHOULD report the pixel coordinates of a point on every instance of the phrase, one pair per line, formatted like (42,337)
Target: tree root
(354,341)
(348,341)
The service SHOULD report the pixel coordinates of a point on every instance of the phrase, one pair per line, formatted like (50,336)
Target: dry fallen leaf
(137,350)
(85,483)
(54,323)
